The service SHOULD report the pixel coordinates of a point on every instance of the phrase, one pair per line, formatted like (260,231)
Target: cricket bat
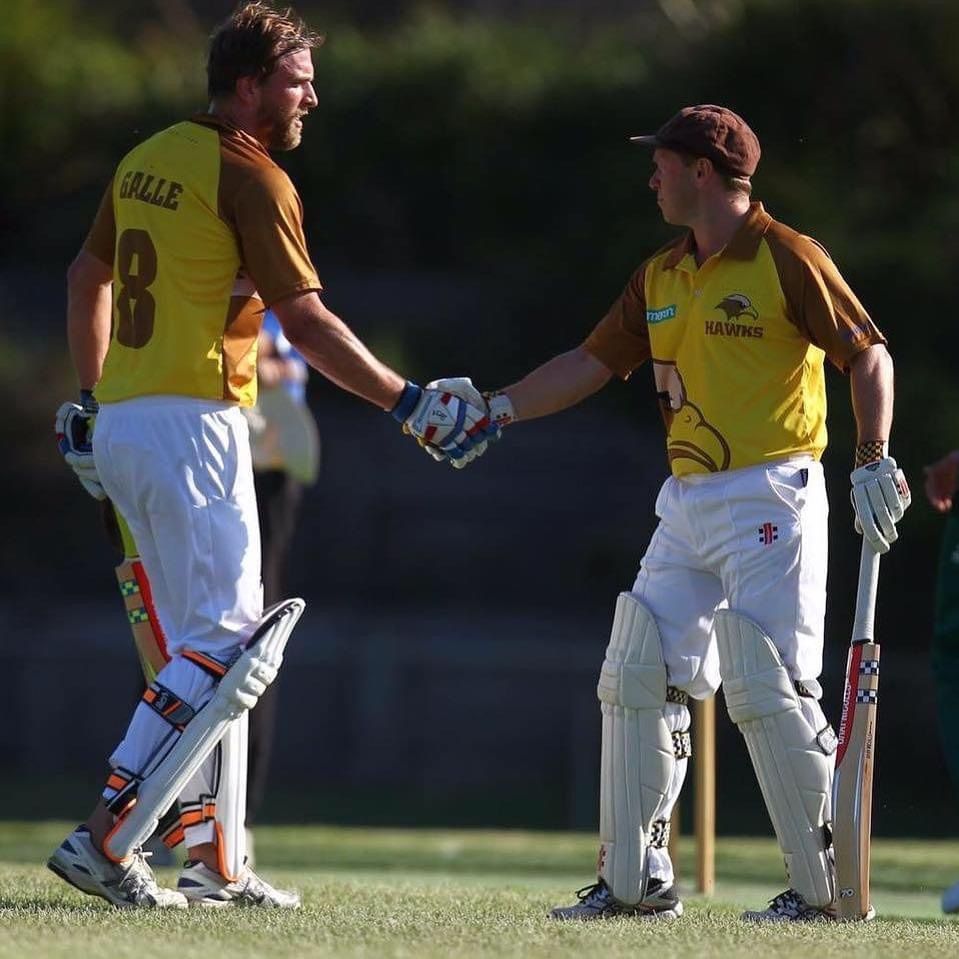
(137,597)
(856,753)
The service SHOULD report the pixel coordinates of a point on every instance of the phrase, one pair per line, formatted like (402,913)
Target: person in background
(286,458)
(942,481)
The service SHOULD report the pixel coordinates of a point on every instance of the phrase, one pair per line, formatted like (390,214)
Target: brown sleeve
(102,239)
(819,301)
(268,217)
(620,341)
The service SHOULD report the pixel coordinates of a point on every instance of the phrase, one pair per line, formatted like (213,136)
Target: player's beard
(285,128)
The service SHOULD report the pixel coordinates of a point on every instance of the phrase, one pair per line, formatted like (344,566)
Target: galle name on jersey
(137,185)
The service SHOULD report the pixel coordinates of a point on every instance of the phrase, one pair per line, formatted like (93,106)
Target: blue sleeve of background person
(271,327)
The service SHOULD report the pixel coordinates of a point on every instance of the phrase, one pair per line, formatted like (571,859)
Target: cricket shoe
(789,906)
(597,902)
(127,884)
(203,886)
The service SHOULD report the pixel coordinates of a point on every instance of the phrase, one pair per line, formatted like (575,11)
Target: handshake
(451,419)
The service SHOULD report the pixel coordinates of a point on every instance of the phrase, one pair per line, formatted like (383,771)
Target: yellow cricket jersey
(202,229)
(737,344)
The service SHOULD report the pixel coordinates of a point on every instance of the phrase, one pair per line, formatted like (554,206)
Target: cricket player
(941,484)
(197,234)
(736,316)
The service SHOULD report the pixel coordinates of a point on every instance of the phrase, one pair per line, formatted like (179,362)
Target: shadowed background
(473,206)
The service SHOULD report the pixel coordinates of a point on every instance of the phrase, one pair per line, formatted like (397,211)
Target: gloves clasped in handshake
(880,496)
(451,419)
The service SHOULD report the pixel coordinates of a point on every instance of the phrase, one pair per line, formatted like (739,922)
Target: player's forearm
(561,382)
(331,348)
(871,384)
(89,305)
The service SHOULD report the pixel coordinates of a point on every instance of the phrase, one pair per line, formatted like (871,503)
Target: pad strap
(124,783)
(166,704)
(208,664)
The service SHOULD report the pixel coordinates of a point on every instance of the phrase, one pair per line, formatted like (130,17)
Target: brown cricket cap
(713,132)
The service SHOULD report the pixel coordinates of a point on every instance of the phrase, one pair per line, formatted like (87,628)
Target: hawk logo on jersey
(738,310)
(737,305)
(689,436)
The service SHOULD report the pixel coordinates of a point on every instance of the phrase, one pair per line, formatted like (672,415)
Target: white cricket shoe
(126,884)
(203,886)
(950,899)
(597,902)
(789,906)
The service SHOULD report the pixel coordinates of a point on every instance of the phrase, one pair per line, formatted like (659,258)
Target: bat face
(852,786)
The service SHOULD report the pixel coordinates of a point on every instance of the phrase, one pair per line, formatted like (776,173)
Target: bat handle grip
(863,627)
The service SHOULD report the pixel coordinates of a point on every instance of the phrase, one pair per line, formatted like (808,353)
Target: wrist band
(500,408)
(407,402)
(89,402)
(870,451)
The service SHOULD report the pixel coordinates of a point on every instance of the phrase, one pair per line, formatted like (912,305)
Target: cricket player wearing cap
(737,316)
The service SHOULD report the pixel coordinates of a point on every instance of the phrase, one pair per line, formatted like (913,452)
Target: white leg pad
(790,744)
(678,722)
(637,761)
(213,804)
(231,798)
(238,691)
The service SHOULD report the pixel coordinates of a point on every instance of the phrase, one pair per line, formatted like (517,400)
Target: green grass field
(412,893)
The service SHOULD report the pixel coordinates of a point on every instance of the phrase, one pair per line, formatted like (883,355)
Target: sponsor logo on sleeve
(662,314)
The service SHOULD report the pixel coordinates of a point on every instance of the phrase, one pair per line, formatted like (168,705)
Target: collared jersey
(737,344)
(202,229)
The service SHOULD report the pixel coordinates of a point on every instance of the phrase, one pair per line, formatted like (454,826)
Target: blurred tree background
(473,205)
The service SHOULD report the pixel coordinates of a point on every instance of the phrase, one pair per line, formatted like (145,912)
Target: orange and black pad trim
(194,813)
(168,705)
(124,785)
(207,663)
(170,829)
(119,813)
(221,854)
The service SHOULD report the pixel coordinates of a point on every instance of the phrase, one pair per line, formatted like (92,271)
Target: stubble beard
(285,132)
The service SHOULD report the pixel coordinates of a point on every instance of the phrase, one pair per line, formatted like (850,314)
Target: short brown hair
(250,42)
(731,183)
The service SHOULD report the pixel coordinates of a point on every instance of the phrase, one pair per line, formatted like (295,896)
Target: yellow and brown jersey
(737,344)
(202,229)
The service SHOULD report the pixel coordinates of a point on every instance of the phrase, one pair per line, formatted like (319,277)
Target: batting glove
(74,429)
(446,425)
(880,496)
(462,386)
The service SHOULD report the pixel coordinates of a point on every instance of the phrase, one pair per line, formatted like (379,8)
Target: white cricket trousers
(179,471)
(754,540)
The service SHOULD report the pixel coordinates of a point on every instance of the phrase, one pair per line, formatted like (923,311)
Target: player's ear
(247,89)
(703,168)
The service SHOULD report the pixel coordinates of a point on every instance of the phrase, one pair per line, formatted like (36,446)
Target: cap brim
(647,141)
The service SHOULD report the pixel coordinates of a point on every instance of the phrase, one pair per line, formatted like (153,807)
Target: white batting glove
(880,496)
(74,429)
(497,405)
(441,419)
(462,387)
